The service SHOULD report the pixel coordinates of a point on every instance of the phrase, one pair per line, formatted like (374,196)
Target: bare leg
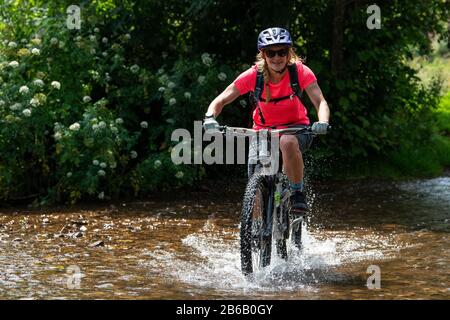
(292,158)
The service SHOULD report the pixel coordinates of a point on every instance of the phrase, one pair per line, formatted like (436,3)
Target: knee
(289,143)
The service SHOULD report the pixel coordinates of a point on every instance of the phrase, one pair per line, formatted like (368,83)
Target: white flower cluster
(35,102)
(26,112)
(134,68)
(58,136)
(144,124)
(222,76)
(94,74)
(24,90)
(101,173)
(75,126)
(206,59)
(157,164)
(56,85)
(201,79)
(57,126)
(13,64)
(16,106)
(171,85)
(179,175)
(100,125)
(38,83)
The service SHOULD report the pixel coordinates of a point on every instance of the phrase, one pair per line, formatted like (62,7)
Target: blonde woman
(278,106)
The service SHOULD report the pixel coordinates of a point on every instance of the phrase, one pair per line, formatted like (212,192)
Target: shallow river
(187,247)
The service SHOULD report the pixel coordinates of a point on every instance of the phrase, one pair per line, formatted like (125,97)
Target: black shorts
(304,141)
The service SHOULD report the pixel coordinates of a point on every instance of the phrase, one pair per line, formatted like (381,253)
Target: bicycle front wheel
(256,233)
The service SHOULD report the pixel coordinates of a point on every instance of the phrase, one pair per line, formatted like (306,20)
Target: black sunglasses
(281,53)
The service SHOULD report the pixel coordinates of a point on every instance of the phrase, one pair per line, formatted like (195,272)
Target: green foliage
(75,112)
(377,102)
(435,65)
(89,113)
(443,115)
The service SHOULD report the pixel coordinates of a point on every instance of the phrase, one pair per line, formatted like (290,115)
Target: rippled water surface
(188,248)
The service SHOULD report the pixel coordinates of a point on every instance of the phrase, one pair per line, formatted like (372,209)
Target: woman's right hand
(210,124)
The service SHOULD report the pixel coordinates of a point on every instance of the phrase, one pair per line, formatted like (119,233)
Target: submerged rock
(97,244)
(75,235)
(79,222)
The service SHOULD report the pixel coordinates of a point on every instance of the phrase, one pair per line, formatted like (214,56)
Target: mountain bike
(266,218)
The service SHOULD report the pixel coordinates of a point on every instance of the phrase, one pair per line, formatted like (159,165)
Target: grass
(443,115)
(434,65)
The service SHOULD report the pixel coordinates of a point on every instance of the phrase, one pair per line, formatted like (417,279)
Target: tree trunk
(337,56)
(448,36)
(276,13)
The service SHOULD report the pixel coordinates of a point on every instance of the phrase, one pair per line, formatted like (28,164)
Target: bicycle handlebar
(252,132)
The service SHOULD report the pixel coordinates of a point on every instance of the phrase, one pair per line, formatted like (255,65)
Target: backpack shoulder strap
(293,76)
(259,85)
(255,96)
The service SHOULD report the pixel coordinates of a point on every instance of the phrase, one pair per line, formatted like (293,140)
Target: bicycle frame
(277,225)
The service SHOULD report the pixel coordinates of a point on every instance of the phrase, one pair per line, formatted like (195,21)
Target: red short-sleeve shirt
(283,112)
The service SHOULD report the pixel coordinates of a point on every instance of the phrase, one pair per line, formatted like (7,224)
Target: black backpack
(256,95)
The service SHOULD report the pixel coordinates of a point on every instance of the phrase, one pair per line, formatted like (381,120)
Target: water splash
(214,261)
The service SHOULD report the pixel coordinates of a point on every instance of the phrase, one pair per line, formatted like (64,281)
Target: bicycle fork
(280,223)
(295,225)
(283,229)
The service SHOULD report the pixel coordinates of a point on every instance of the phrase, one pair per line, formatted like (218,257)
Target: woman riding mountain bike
(276,100)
